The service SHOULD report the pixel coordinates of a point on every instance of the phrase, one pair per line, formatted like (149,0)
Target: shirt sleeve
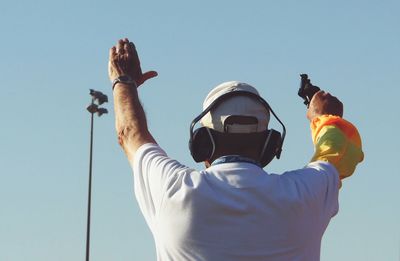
(317,187)
(154,172)
(338,142)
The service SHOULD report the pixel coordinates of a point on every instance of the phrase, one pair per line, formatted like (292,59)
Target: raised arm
(126,75)
(336,140)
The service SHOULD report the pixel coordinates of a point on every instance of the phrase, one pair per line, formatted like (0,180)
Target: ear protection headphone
(202,144)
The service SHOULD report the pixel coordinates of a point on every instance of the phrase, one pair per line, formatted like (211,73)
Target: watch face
(125,78)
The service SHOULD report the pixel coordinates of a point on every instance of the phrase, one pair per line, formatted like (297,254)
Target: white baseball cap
(236,105)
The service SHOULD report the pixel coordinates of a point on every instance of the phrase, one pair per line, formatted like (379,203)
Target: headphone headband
(235,93)
(202,145)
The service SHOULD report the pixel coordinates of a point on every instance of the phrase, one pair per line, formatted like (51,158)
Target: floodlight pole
(92,108)
(89,188)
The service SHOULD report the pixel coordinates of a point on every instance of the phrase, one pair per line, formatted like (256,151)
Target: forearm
(338,142)
(130,119)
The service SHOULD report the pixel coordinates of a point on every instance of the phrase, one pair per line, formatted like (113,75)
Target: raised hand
(124,61)
(324,103)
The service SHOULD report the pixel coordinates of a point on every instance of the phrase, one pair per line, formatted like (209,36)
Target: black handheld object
(307,90)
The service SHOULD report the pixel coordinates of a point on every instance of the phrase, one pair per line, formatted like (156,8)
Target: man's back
(234,211)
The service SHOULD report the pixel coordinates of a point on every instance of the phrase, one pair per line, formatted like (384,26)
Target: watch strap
(124,79)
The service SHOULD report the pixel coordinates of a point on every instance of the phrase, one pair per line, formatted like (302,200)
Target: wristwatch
(124,79)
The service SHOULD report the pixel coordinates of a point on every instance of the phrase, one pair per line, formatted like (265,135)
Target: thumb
(147,75)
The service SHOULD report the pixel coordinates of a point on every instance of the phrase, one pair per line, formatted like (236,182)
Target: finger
(127,48)
(132,45)
(309,114)
(318,95)
(149,75)
(112,53)
(120,46)
(134,53)
(328,95)
(126,45)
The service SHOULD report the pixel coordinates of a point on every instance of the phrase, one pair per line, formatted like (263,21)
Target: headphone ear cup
(272,147)
(202,145)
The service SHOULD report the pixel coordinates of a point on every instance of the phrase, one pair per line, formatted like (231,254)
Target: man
(233,210)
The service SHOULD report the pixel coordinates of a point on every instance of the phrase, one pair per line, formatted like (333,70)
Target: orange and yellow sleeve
(338,142)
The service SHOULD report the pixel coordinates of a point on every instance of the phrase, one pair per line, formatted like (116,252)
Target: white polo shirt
(234,211)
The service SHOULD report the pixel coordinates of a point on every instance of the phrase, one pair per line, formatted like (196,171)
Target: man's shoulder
(151,159)
(312,169)
(316,178)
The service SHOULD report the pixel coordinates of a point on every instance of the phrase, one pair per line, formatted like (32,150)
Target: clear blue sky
(54,51)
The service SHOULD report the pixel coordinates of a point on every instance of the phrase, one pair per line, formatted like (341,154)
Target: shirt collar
(234,158)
